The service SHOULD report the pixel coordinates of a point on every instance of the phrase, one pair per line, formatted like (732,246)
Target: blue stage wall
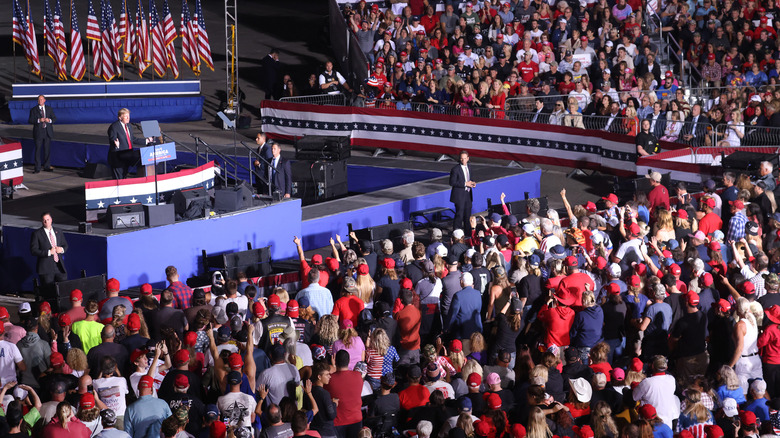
(141,256)
(317,232)
(17,266)
(95,110)
(366,179)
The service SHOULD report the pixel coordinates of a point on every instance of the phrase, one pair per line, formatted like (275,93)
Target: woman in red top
(598,359)
(579,398)
(497,99)
(349,305)
(438,40)
(65,424)
(567,86)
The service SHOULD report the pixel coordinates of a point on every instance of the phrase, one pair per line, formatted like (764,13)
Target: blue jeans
(616,347)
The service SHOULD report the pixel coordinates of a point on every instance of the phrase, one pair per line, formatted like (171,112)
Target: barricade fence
(318,99)
(735,135)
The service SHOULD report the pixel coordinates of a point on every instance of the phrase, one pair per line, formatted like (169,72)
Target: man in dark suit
(695,128)
(264,150)
(657,121)
(49,246)
(269,75)
(42,117)
(120,141)
(540,114)
(281,174)
(462,193)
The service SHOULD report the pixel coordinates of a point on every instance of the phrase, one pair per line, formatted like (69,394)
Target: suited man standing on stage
(42,117)
(281,174)
(264,149)
(462,192)
(121,138)
(49,246)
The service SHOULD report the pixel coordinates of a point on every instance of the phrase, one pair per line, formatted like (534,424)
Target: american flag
(115,39)
(189,45)
(204,49)
(77,64)
(169,35)
(159,54)
(31,41)
(127,33)
(106,44)
(142,55)
(52,47)
(94,34)
(18,27)
(59,33)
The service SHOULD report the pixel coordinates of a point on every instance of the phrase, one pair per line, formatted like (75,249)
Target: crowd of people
(657,315)
(580,64)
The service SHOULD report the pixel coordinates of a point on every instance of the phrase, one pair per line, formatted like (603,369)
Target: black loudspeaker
(253,262)
(190,203)
(232,198)
(320,147)
(319,180)
(747,161)
(243,122)
(92,288)
(126,216)
(96,170)
(519,208)
(157,215)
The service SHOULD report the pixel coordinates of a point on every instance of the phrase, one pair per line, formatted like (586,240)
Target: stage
(379,187)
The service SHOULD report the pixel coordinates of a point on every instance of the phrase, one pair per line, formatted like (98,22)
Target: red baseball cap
(76,295)
(274,301)
(738,204)
(474,380)
(571,261)
(182,381)
(723,305)
(669,74)
(56,359)
(146,289)
(133,322)
(613,289)
(611,198)
(292,308)
(711,56)
(456,346)
(217,430)
(190,339)
(112,285)
(145,382)
(747,417)
(136,354)
(601,262)
(682,213)
(675,269)
(258,310)
(406,283)
(634,229)
(640,269)
(748,287)
(693,299)
(388,263)
(316,259)
(87,401)
(181,357)
(362,269)
(45,307)
(634,281)
(706,279)
(64,320)
(710,202)
(714,245)
(647,412)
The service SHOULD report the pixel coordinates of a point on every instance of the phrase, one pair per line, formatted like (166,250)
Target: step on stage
(379,188)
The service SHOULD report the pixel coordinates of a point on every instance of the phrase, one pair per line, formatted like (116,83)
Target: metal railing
(318,99)
(753,135)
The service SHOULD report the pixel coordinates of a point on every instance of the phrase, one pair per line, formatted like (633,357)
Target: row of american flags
(142,41)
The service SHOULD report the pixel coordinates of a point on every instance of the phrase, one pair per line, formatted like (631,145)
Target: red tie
(53,246)
(129,141)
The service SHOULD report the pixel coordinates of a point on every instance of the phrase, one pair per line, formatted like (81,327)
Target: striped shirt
(737,226)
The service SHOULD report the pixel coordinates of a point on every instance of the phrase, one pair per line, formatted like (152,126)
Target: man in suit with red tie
(121,140)
(49,246)
(42,117)
(462,193)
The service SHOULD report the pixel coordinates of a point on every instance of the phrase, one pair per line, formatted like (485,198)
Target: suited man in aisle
(49,246)
(264,149)
(120,140)
(42,117)
(462,193)
(281,174)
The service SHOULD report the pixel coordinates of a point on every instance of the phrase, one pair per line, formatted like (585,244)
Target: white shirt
(9,357)
(111,391)
(658,391)
(444,387)
(238,407)
(241,301)
(466,174)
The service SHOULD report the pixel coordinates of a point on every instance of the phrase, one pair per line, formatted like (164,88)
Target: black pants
(42,145)
(47,289)
(462,216)
(772,377)
(349,430)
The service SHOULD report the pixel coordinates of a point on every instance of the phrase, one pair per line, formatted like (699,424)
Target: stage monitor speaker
(643,184)
(232,198)
(320,147)
(92,288)
(126,216)
(190,203)
(163,214)
(96,171)
(747,161)
(253,262)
